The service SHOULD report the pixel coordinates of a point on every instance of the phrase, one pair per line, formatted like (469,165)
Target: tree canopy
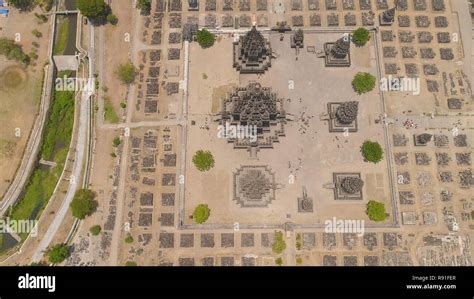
(201,213)
(126,72)
(22,4)
(58,253)
(372,151)
(203,160)
(376,211)
(93,9)
(363,82)
(144,6)
(360,36)
(205,38)
(95,230)
(83,203)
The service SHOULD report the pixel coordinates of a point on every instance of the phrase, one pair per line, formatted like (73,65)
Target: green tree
(126,73)
(129,239)
(95,230)
(372,151)
(83,203)
(376,211)
(360,36)
(205,38)
(203,160)
(279,244)
(94,9)
(201,213)
(22,4)
(58,253)
(112,19)
(363,82)
(144,6)
(116,142)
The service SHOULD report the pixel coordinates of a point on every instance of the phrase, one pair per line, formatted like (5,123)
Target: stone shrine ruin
(337,54)
(343,116)
(256,107)
(252,53)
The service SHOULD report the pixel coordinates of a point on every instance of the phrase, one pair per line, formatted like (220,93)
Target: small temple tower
(252,53)
(338,54)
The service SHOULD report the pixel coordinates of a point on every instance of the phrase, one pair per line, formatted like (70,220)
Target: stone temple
(338,53)
(252,53)
(348,186)
(343,116)
(254,107)
(254,186)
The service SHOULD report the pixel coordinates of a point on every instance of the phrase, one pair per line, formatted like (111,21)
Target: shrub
(201,213)
(112,19)
(376,211)
(130,264)
(299,261)
(116,142)
(360,36)
(93,9)
(372,151)
(203,160)
(363,82)
(279,244)
(83,203)
(144,6)
(126,73)
(129,239)
(279,261)
(123,105)
(298,242)
(58,253)
(22,4)
(13,51)
(205,39)
(37,33)
(95,230)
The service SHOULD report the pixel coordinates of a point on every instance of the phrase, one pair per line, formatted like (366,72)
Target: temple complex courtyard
(308,156)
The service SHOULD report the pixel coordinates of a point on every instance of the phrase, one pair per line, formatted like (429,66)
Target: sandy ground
(19,104)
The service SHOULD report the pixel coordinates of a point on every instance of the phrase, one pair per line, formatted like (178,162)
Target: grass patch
(279,245)
(110,115)
(59,127)
(55,145)
(61,36)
